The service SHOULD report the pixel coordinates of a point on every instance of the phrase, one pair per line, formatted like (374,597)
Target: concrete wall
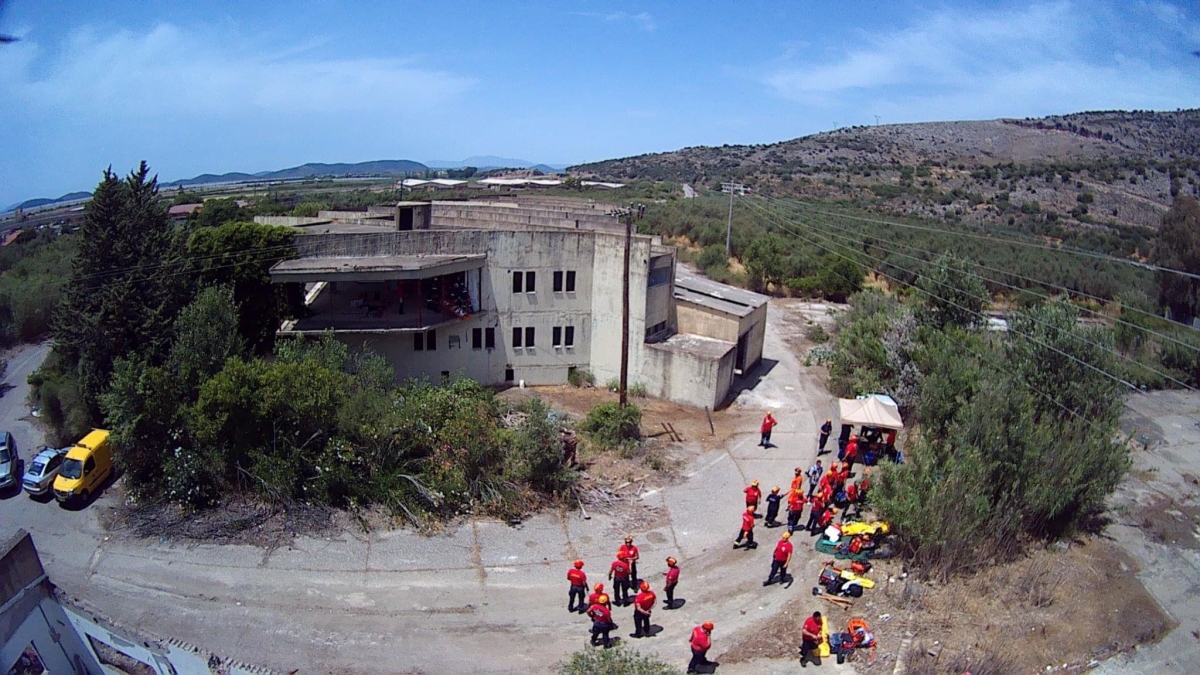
(687,378)
(755,326)
(700,320)
(606,304)
(488,216)
(290,221)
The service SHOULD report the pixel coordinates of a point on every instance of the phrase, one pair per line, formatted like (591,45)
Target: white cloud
(952,64)
(168,70)
(643,20)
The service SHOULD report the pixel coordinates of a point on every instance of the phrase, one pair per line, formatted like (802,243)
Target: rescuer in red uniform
(578,581)
(672,574)
(700,643)
(747,531)
(601,621)
(643,605)
(619,575)
(629,553)
(780,559)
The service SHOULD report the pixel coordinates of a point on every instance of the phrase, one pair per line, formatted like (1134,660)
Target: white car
(39,479)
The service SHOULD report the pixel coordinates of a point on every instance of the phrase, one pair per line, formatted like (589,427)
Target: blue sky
(215,86)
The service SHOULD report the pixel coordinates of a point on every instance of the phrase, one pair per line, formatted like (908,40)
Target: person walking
(814,476)
(780,559)
(795,510)
(700,642)
(768,424)
(810,639)
(602,621)
(643,605)
(672,574)
(773,500)
(753,496)
(618,573)
(826,429)
(578,581)
(747,531)
(850,456)
(629,553)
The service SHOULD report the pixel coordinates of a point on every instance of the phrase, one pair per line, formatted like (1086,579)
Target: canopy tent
(870,412)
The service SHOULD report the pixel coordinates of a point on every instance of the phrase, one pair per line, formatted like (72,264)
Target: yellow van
(87,466)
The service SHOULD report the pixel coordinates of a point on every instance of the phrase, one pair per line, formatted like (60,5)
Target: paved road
(482,597)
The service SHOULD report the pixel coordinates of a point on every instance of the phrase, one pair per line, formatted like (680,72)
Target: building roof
(695,345)
(713,295)
(182,209)
(596,183)
(372,268)
(12,236)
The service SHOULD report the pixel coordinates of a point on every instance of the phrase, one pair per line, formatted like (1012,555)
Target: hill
(385,167)
(1098,169)
(34,203)
(483,162)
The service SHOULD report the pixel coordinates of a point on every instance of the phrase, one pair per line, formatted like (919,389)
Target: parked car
(10,462)
(39,479)
(87,466)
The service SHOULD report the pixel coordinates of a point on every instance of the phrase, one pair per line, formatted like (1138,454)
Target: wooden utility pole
(732,189)
(624,389)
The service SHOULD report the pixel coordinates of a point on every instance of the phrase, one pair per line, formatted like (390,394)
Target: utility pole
(732,189)
(624,387)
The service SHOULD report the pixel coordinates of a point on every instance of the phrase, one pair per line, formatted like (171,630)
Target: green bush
(611,426)
(620,660)
(579,377)
(816,334)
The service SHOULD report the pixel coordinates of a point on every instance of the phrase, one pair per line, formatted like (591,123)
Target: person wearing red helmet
(597,593)
(747,531)
(618,573)
(700,642)
(643,604)
(672,574)
(602,621)
(578,581)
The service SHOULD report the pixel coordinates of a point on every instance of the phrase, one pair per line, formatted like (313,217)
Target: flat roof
(690,287)
(695,345)
(332,227)
(372,268)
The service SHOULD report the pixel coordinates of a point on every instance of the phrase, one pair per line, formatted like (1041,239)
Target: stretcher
(872,528)
(831,548)
(823,649)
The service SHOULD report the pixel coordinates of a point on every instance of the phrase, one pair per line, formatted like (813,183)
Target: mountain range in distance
(386,167)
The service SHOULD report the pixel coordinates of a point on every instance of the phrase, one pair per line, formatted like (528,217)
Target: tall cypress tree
(125,288)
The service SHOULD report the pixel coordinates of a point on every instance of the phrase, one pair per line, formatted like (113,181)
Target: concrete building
(504,292)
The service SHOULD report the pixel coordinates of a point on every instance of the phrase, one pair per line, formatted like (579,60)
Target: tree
(838,278)
(952,294)
(766,262)
(1178,247)
(217,212)
(240,255)
(125,289)
(206,336)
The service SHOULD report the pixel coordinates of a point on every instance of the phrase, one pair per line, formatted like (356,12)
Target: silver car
(39,479)
(10,463)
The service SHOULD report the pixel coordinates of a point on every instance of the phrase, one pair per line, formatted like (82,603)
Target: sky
(210,86)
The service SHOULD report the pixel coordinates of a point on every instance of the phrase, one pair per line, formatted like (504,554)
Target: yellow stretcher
(872,528)
(823,649)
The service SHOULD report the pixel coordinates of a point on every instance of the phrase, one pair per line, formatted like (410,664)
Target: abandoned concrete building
(506,293)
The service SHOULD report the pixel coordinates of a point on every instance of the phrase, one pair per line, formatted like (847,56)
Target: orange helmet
(707,625)
(602,600)
(671,562)
(775,490)
(578,564)
(599,588)
(645,585)
(786,535)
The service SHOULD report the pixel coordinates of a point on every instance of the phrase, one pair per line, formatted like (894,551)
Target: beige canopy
(869,411)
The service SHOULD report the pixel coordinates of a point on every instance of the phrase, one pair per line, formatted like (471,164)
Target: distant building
(11,237)
(181,211)
(525,291)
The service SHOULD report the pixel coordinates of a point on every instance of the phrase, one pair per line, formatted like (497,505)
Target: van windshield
(71,468)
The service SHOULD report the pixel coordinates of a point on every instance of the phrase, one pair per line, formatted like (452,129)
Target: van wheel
(83,498)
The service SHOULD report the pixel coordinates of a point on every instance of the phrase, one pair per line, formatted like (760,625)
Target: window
(517,338)
(659,276)
(454,342)
(418,342)
(569,336)
(529,336)
(431,341)
(570,281)
(518,278)
(476,338)
(530,279)
(556,336)
(509,375)
(558,282)
(489,338)
(445,377)
(89,465)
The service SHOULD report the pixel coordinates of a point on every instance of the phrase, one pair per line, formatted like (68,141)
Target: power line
(965,309)
(1011,240)
(784,203)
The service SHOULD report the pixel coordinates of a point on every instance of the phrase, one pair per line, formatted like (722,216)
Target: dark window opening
(569,339)
(517,337)
(406,219)
(518,279)
(570,281)
(558,282)
(509,376)
(431,341)
(445,377)
(556,336)
(418,342)
(489,338)
(476,338)
(659,276)
(529,341)
(530,279)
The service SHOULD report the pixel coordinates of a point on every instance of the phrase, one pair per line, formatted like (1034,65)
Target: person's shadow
(677,603)
(787,580)
(710,667)
(655,629)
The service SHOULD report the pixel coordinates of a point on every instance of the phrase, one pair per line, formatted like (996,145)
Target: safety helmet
(775,490)
(578,564)
(854,437)
(750,509)
(602,600)
(671,562)
(786,535)
(645,585)
(754,483)
(599,588)
(707,625)
(628,540)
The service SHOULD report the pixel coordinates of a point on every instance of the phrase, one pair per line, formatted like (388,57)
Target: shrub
(578,377)
(620,660)
(638,390)
(611,426)
(816,334)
